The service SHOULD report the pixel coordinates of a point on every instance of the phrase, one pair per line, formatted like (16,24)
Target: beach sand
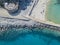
(39,10)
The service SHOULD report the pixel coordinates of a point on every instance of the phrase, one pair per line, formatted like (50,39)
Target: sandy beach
(39,10)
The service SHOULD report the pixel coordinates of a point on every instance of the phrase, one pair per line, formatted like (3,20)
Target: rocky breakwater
(12,28)
(17,24)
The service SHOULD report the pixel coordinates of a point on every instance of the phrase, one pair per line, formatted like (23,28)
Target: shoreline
(33,27)
(34,21)
(16,32)
(25,24)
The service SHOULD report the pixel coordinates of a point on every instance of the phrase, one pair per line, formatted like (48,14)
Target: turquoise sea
(31,37)
(53,11)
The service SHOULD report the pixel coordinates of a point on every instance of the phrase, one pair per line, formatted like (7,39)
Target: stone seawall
(10,29)
(28,25)
(8,23)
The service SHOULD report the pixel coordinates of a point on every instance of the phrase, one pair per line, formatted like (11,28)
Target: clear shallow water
(53,11)
(33,38)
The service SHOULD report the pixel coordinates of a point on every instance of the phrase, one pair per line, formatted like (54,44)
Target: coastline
(31,25)
(37,22)
(31,29)
(15,23)
(37,19)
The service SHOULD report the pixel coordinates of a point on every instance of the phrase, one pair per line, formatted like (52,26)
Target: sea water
(53,11)
(33,37)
